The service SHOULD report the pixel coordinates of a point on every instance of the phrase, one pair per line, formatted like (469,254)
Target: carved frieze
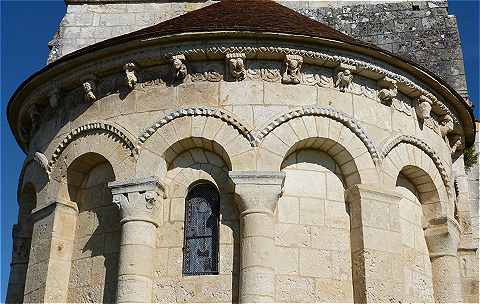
(267,71)
(292,69)
(236,66)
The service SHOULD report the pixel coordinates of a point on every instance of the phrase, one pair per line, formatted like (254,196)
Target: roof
(243,15)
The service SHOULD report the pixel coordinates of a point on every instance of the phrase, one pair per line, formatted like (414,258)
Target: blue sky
(26,28)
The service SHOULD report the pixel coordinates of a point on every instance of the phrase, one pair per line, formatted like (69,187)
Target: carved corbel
(236,66)
(179,69)
(42,161)
(53,97)
(292,69)
(131,74)
(89,88)
(35,116)
(389,91)
(423,109)
(457,144)
(344,77)
(446,126)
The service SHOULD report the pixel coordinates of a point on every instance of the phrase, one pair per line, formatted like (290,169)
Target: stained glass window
(200,250)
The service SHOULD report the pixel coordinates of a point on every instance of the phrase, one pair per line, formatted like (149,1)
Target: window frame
(215,234)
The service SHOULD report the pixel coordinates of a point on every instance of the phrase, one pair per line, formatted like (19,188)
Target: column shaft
(442,240)
(137,199)
(258,195)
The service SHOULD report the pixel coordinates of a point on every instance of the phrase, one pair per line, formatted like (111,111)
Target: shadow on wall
(94,269)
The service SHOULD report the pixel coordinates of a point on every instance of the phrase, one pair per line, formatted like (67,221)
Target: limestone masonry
(247,151)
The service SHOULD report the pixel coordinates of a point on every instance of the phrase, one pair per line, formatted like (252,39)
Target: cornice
(152,52)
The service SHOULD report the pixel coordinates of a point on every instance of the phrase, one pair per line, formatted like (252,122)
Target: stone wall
(421,31)
(313,225)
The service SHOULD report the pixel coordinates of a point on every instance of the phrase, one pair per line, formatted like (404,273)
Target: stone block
(294,289)
(201,93)
(315,263)
(335,239)
(336,215)
(286,260)
(280,94)
(288,210)
(289,235)
(241,93)
(332,291)
(312,211)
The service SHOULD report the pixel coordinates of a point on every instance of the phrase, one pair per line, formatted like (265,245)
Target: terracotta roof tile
(243,15)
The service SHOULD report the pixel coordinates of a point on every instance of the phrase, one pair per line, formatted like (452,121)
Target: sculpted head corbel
(423,107)
(457,143)
(389,91)
(292,69)
(236,66)
(446,126)
(53,97)
(89,88)
(131,74)
(344,77)
(179,69)
(35,117)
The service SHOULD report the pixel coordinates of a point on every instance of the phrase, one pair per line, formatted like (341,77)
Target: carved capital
(89,88)
(292,69)
(179,69)
(258,191)
(236,66)
(131,74)
(442,236)
(137,199)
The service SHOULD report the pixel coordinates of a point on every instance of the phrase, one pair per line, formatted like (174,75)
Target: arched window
(200,251)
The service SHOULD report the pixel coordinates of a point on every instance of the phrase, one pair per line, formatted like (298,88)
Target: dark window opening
(415,7)
(200,250)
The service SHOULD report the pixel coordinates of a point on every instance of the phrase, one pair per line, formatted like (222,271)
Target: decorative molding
(99,126)
(328,112)
(199,111)
(395,141)
(131,74)
(292,70)
(176,56)
(236,66)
